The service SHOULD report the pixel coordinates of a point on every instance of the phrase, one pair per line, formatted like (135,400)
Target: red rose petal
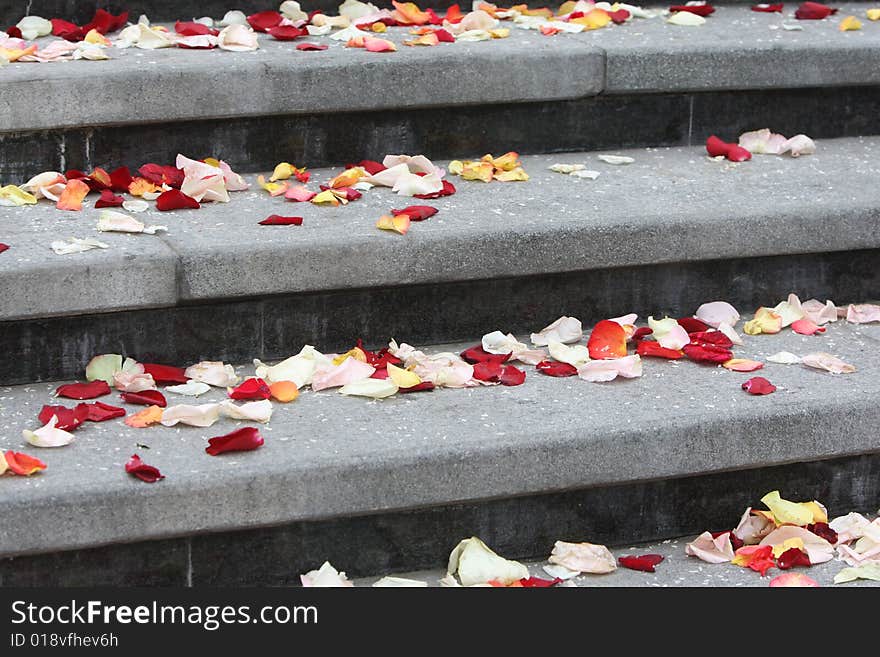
(692,324)
(162,175)
(68,418)
(109,200)
(145,398)
(538,583)
(707,353)
(488,370)
(735,541)
(264,20)
(555,368)
(83,390)
(370,166)
(813,11)
(3,247)
(307,46)
(699,10)
(769,9)
(758,385)
(512,376)
(15,32)
(645,562)
(479,355)
(23,464)
(424,386)
(120,179)
(716,147)
(252,388)
(241,440)
(61,28)
(641,333)
(286,32)
(278,220)
(792,557)
(716,338)
(416,212)
(136,467)
(350,194)
(737,153)
(99,411)
(607,340)
(822,529)
(191,28)
(105,22)
(165,374)
(444,36)
(378,359)
(651,349)
(448,190)
(619,17)
(174,199)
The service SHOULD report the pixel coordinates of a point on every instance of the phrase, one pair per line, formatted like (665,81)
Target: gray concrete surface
(677,570)
(327,455)
(740,49)
(735,49)
(671,205)
(174,84)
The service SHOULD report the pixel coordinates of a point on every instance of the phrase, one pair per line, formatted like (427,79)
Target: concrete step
(639,84)
(666,232)
(676,570)
(391,485)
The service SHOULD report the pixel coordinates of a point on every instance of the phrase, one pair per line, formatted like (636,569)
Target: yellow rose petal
(403,378)
(850,24)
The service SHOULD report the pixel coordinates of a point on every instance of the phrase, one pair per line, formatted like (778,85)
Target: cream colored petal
(475,563)
(49,435)
(583,557)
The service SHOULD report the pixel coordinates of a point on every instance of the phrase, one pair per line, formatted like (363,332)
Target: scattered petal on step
(817,548)
(686,19)
(757,557)
(399,582)
(110,221)
(743,365)
(284,391)
(645,562)
(668,333)
(77,245)
(164,374)
(237,38)
(144,418)
(195,416)
(190,389)
(850,24)
(137,468)
(765,320)
(145,398)
(582,558)
(711,549)
(83,390)
(66,419)
(565,330)
(793,580)
(762,142)
(373,388)
(870,571)
(813,11)
(102,368)
(49,435)
(475,563)
(863,313)
(214,373)
(806,327)
(21,464)
(825,361)
(326,576)
(616,159)
(607,340)
(278,220)
(597,371)
(557,369)
(241,440)
(252,388)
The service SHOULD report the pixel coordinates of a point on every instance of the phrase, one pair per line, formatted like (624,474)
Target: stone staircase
(393,485)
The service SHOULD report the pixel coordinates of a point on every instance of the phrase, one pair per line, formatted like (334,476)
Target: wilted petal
(669,333)
(374,388)
(819,313)
(475,563)
(238,38)
(762,142)
(325,577)
(574,356)
(49,435)
(597,371)
(711,549)
(410,184)
(72,196)
(195,416)
(786,512)
(137,468)
(752,528)
(348,371)
(765,321)
(565,330)
(256,411)
(715,313)
(583,558)
(214,373)
(784,358)
(144,418)
(862,313)
(827,362)
(817,548)
(399,582)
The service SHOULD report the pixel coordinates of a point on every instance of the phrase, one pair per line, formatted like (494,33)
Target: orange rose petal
(22,464)
(742,365)
(607,340)
(72,196)
(150,415)
(347,178)
(284,391)
(141,186)
(399,223)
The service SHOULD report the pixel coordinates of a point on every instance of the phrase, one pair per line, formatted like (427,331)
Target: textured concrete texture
(398,541)
(671,205)
(740,49)
(676,570)
(735,49)
(174,84)
(327,455)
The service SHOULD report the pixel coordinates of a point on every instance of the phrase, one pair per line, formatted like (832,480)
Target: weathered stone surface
(328,455)
(174,84)
(671,205)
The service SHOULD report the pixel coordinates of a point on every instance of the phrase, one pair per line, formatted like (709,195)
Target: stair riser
(520,528)
(276,327)
(598,122)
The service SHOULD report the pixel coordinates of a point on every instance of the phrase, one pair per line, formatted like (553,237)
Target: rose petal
(144,418)
(669,333)
(758,385)
(645,562)
(416,212)
(174,199)
(308,46)
(565,330)
(100,412)
(49,435)
(23,464)
(813,11)
(242,440)
(255,411)
(252,388)
(607,340)
(278,220)
(757,557)
(711,549)
(553,368)
(793,579)
(136,467)
(651,349)
(475,563)
(83,390)
(66,419)
(827,362)
(583,557)
(163,374)
(145,398)
(284,391)
(373,388)
(195,416)
(72,196)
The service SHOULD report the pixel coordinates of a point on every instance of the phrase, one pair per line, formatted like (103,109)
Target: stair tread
(327,455)
(670,205)
(735,49)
